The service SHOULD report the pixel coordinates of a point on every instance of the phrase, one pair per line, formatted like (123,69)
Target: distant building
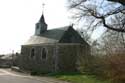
(54,50)
(6,61)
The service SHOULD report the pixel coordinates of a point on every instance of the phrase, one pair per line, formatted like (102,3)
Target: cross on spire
(42,17)
(43,6)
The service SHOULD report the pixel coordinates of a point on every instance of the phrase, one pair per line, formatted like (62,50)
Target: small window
(32,52)
(44,53)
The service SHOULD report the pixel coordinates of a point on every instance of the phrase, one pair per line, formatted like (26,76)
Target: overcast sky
(18,18)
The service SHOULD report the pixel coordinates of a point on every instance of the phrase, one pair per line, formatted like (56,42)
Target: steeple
(41,26)
(42,19)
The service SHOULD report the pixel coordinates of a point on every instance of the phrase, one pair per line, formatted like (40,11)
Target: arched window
(32,52)
(44,53)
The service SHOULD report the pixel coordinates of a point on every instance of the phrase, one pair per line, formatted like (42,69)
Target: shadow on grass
(77,77)
(65,73)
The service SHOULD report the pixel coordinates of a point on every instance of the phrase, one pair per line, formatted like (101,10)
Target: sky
(18,18)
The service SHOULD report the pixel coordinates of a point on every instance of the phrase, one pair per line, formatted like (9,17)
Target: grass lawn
(78,78)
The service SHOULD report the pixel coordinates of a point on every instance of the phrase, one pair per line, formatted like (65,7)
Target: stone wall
(36,63)
(60,57)
(71,56)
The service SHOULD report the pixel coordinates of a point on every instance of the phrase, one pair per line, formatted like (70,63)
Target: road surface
(8,76)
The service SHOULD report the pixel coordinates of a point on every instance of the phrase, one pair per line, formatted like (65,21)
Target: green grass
(78,78)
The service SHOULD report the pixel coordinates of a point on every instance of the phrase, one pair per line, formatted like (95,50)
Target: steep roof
(50,36)
(42,19)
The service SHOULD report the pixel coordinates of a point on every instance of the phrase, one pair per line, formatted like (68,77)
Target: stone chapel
(53,50)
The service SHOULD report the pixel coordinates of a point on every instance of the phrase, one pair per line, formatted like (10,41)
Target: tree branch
(118,1)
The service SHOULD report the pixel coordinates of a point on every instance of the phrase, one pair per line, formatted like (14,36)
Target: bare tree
(98,13)
(119,1)
(113,42)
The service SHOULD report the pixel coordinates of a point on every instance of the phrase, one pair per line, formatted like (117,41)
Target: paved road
(8,76)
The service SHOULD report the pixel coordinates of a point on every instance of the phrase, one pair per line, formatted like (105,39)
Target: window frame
(31,51)
(46,51)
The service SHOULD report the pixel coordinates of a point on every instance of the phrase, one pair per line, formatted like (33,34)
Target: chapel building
(54,50)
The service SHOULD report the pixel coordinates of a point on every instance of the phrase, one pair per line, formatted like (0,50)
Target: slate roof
(50,36)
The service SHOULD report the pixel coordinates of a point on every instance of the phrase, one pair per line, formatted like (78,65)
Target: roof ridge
(61,28)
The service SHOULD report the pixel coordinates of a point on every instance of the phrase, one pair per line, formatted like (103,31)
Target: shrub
(111,67)
(36,72)
(95,66)
(115,68)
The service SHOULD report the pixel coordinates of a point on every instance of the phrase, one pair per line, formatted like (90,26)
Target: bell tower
(41,26)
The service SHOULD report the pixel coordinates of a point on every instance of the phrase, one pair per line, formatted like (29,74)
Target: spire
(42,17)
